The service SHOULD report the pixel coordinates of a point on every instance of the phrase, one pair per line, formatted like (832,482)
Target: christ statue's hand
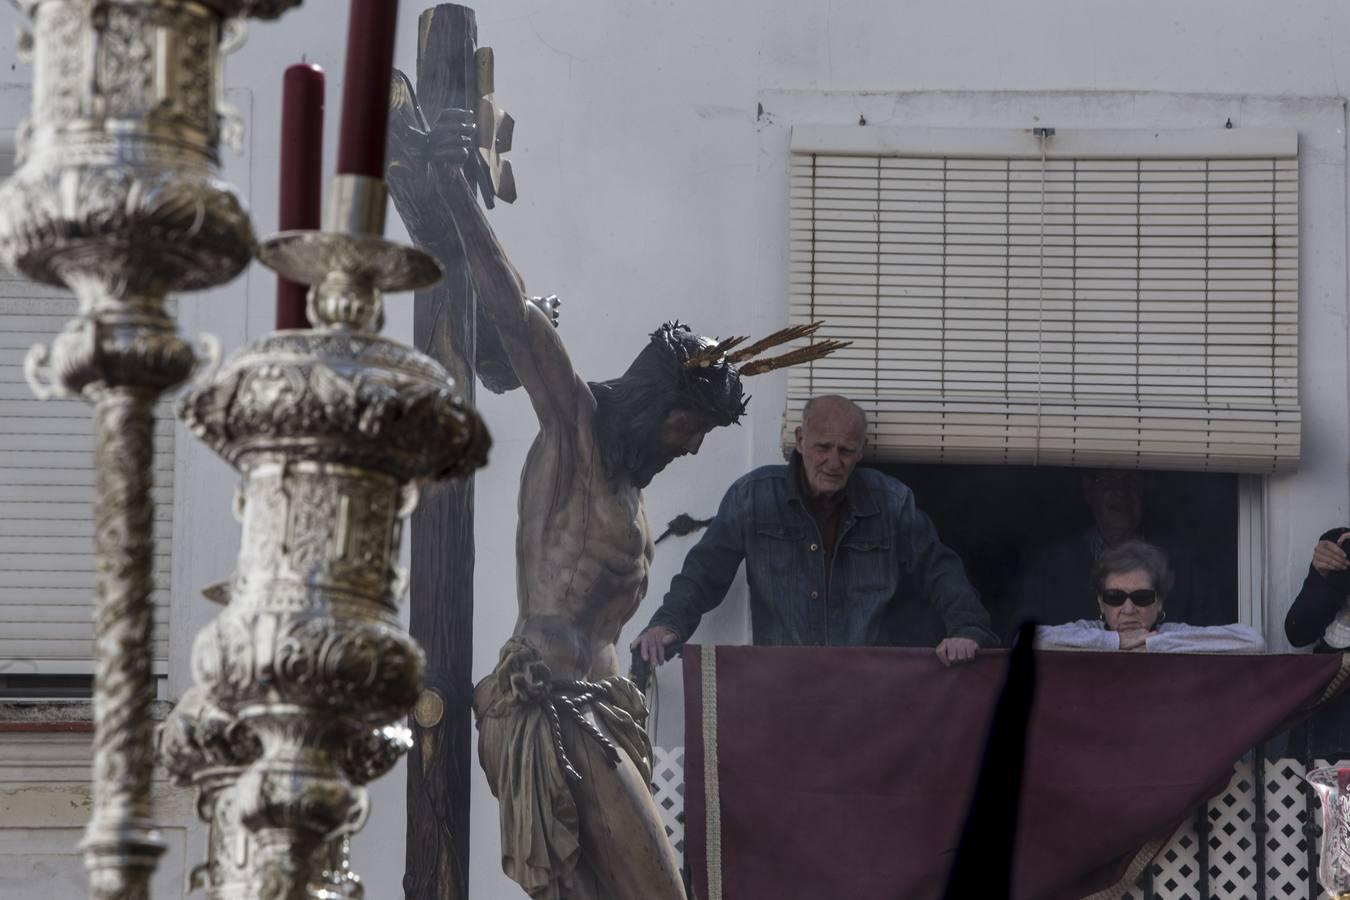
(454,136)
(548,306)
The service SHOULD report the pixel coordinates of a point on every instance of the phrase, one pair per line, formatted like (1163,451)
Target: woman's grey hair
(1128,557)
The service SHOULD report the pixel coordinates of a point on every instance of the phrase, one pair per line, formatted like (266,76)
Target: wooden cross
(451,74)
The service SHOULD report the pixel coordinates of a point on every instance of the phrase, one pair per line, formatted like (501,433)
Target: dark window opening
(1026,536)
(46,687)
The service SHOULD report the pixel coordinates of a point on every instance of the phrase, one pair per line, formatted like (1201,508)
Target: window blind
(46,502)
(1092,298)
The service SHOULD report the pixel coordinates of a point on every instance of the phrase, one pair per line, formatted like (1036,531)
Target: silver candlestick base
(1332,787)
(206,748)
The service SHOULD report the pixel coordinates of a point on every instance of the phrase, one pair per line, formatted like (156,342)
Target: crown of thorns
(745,363)
(708,377)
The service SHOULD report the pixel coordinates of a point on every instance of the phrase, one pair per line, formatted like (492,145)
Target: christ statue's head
(661,408)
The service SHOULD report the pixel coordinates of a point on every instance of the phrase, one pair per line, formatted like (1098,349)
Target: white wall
(45,805)
(652,187)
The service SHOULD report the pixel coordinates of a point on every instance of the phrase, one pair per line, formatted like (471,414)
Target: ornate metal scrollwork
(117,197)
(332,430)
(205,747)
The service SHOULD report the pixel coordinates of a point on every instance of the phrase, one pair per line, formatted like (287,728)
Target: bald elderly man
(831,553)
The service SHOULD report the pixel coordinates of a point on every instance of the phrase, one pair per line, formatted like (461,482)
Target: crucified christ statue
(577,815)
(561,734)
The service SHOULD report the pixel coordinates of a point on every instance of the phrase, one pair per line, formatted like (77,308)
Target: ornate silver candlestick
(117,198)
(1332,786)
(205,747)
(332,429)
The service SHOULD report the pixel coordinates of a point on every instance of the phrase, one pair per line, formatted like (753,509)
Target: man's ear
(798,435)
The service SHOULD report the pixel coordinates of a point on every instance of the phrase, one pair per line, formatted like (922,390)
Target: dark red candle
(365,87)
(301,174)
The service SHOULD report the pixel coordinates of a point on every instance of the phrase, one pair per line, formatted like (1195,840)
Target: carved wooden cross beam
(446,326)
(453,75)
(495,126)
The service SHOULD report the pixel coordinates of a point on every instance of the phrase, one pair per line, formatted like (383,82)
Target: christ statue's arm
(527,334)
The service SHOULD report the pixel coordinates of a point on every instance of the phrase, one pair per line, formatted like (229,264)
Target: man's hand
(653,643)
(954,651)
(1329,558)
(1134,639)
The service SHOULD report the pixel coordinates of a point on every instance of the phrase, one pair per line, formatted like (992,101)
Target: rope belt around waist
(574,697)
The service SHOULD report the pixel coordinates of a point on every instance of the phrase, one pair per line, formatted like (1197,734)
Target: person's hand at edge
(1329,557)
(956,650)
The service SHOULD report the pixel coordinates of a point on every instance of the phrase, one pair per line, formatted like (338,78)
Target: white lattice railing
(1232,834)
(1232,839)
(668,789)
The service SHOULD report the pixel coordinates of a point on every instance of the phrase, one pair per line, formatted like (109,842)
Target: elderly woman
(1131,581)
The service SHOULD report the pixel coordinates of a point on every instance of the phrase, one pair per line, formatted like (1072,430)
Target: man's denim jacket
(888,555)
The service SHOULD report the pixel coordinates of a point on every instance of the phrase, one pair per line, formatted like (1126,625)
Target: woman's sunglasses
(1138,598)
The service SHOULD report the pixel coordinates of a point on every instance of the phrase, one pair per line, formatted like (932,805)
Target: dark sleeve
(940,577)
(708,570)
(1315,606)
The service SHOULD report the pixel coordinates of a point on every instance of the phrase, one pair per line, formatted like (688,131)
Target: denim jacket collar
(860,500)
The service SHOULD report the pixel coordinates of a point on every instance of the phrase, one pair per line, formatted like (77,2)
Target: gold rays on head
(790,333)
(792,358)
(719,351)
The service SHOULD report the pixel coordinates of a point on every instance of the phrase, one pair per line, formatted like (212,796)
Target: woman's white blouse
(1169,637)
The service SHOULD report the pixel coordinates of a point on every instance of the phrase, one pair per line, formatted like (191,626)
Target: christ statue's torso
(583,551)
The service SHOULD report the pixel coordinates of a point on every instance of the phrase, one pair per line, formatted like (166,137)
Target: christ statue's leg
(623,839)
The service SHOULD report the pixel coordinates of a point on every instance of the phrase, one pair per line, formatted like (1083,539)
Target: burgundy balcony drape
(847,772)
